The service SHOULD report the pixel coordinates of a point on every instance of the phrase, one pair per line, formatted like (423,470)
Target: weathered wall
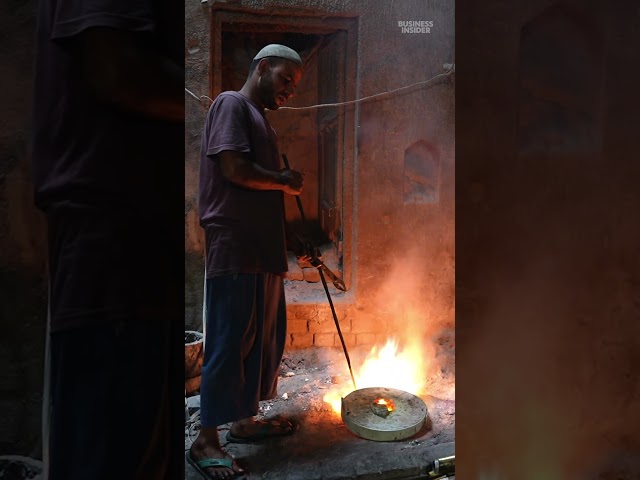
(547,331)
(402,250)
(23,289)
(197,46)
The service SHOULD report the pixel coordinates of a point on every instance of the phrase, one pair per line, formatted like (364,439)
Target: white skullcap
(275,50)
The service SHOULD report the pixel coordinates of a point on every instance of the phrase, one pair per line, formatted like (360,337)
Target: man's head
(274,74)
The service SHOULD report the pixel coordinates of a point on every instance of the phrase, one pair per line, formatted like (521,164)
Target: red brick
(349,339)
(301,340)
(364,323)
(292,312)
(365,338)
(321,326)
(327,325)
(295,272)
(323,339)
(323,322)
(381,338)
(311,275)
(297,325)
(301,311)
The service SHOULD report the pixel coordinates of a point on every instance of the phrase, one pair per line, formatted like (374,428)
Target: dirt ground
(323,448)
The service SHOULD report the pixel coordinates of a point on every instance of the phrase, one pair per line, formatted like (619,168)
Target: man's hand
(238,168)
(291,181)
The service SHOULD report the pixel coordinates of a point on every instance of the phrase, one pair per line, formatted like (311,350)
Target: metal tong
(337,281)
(315,261)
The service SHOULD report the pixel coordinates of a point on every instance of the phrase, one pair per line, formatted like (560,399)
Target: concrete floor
(323,448)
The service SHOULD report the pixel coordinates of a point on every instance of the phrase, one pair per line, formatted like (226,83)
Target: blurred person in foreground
(108,156)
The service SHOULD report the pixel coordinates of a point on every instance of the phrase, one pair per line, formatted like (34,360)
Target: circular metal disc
(406,420)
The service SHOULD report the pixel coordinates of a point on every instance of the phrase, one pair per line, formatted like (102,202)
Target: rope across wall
(437,79)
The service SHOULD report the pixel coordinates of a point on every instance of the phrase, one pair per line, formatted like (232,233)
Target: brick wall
(313,325)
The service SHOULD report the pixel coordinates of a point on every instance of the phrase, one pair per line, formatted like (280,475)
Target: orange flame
(388,367)
(387,403)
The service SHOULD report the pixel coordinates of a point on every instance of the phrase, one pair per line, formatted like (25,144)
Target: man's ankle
(243,422)
(209,437)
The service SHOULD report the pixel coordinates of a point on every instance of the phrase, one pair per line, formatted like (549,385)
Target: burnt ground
(323,448)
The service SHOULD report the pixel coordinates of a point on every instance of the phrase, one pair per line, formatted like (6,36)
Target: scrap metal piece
(380,409)
(442,467)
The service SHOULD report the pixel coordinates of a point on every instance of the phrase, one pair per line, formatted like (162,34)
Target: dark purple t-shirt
(109,180)
(244,229)
(86,152)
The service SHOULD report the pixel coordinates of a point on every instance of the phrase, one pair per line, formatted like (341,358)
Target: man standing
(241,208)
(108,153)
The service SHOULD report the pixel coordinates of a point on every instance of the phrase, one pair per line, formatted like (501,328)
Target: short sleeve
(228,126)
(72,17)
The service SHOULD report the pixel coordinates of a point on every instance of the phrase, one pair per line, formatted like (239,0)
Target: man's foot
(199,451)
(250,430)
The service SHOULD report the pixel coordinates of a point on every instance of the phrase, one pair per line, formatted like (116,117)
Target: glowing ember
(387,367)
(388,403)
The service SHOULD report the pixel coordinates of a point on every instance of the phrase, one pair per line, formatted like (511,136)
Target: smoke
(412,302)
(402,297)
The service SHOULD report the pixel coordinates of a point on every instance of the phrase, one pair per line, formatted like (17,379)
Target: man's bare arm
(238,169)
(127,74)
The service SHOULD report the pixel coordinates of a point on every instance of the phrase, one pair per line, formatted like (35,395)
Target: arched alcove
(421,182)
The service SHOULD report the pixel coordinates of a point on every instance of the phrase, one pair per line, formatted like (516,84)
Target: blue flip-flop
(200,465)
(266,431)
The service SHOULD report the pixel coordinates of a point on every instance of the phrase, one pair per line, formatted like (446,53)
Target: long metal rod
(335,319)
(324,284)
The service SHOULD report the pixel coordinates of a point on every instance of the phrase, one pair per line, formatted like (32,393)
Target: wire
(363,99)
(191,93)
(350,102)
(198,98)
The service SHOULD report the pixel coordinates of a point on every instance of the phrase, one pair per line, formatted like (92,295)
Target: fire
(387,403)
(387,367)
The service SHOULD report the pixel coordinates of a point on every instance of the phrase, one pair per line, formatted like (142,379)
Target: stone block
(323,339)
(301,340)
